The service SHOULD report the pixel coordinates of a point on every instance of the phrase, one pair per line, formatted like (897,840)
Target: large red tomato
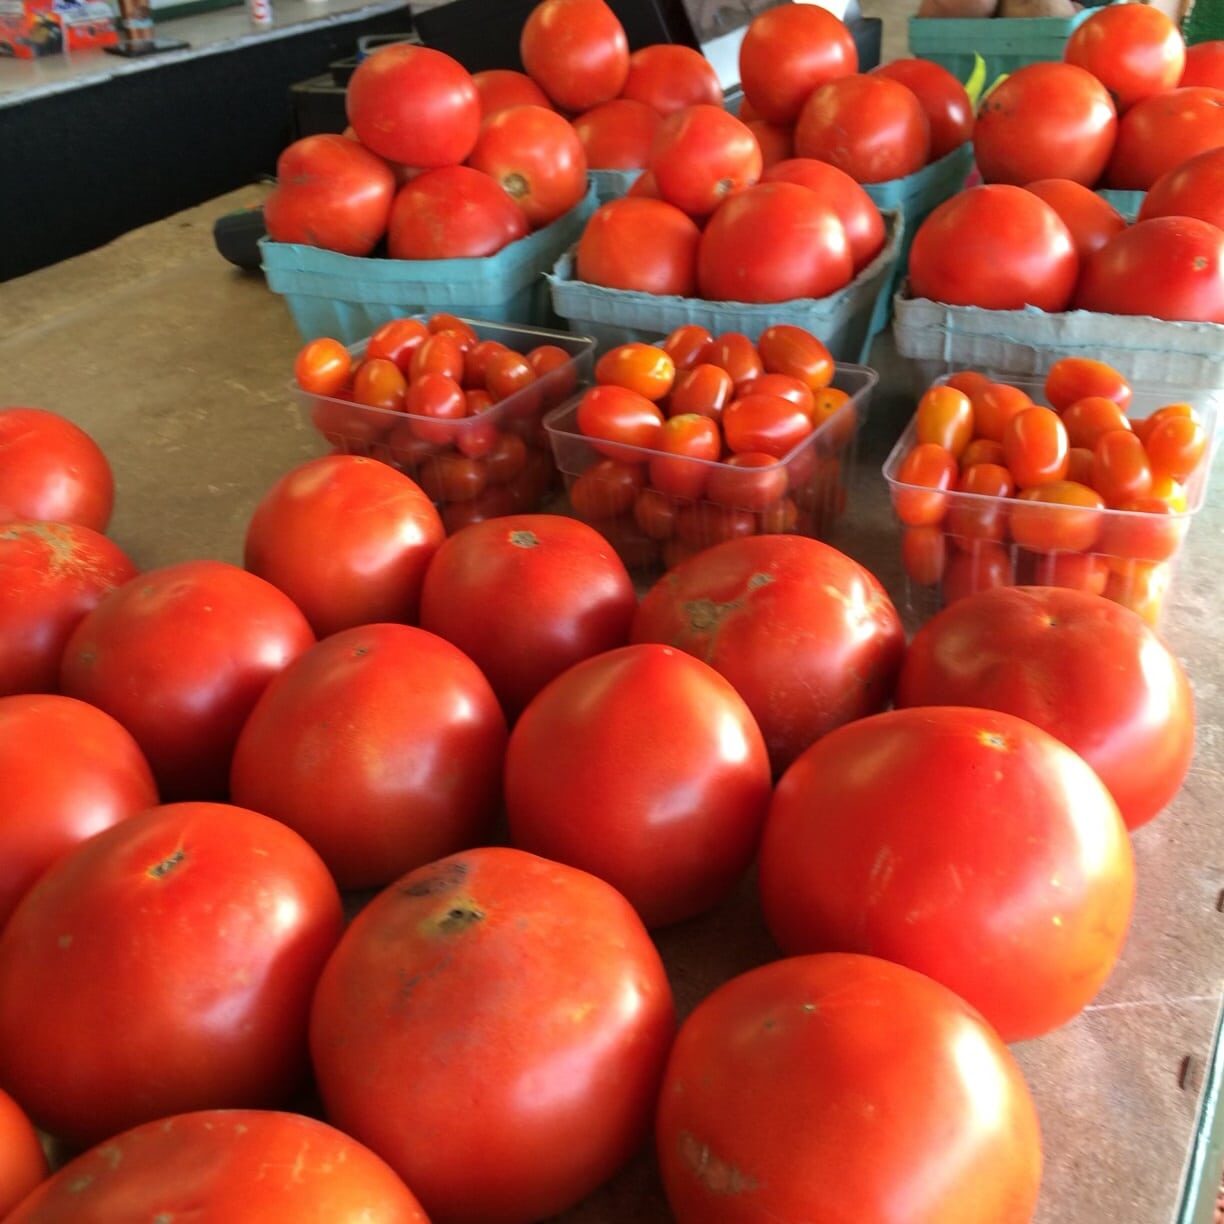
(640,244)
(50,469)
(194,931)
(788,51)
(347,539)
(664,762)
(1160,133)
(244,1166)
(502,88)
(872,127)
(1085,669)
(805,635)
(668,77)
(415,106)
(576,51)
(948,108)
(844,1088)
(1045,121)
(557,591)
(382,747)
(772,243)
(617,135)
(331,193)
(22,1163)
(1168,268)
(1134,50)
(1193,189)
(454,212)
(701,156)
(997,247)
(536,157)
(51,575)
(69,771)
(494,1026)
(179,657)
(1091,220)
(1205,65)
(855,209)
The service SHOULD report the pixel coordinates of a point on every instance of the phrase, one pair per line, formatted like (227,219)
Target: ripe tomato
(535,155)
(788,51)
(1088,419)
(855,209)
(735,353)
(518,971)
(396,341)
(1205,64)
(449,477)
(179,657)
(669,77)
(1090,219)
(452,213)
(1168,268)
(617,135)
(1140,587)
(702,155)
(1076,378)
(1035,445)
(924,553)
(619,415)
(414,105)
(1045,121)
(704,389)
(236,1165)
(1163,132)
(323,366)
(977,518)
(501,88)
(982,450)
(786,349)
(1134,50)
(982,566)
(872,127)
(214,920)
(439,354)
(555,371)
(645,245)
(644,187)
(994,407)
(992,802)
(452,325)
(948,108)
(788,621)
(655,514)
(1176,446)
(1193,189)
(1121,472)
(1153,532)
(927,466)
(607,488)
(379,383)
(765,424)
(1082,668)
(22,1163)
(971,382)
(1057,516)
(643,368)
(688,346)
(1078,571)
(901,1103)
(52,470)
(773,243)
(945,417)
(507,373)
(749,481)
(688,436)
(434,402)
(704,524)
(1079,467)
(777,143)
(576,51)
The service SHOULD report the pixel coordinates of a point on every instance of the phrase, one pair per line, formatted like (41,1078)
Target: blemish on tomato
(524,539)
(992,739)
(759,580)
(449,876)
(64,941)
(160,870)
(79,1184)
(716,1174)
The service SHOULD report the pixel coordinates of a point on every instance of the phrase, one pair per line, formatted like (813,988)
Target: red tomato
(788,621)
(688,436)
(519,972)
(982,567)
(674,832)
(331,193)
(617,135)
(1153,532)
(536,157)
(1176,446)
(452,213)
(773,243)
(927,466)
(900,1103)
(414,105)
(688,346)
(179,657)
(415,775)
(508,373)
(1080,667)
(1193,189)
(977,518)
(1140,587)
(788,51)
(323,366)
(785,386)
(22,1163)
(501,88)
(765,424)
(643,368)
(617,414)
(749,481)
(997,247)
(1205,65)
(236,1165)
(555,371)
(1079,469)
(439,354)
(668,77)
(1167,268)
(1078,571)
(971,382)
(655,514)
(397,341)
(705,524)
(1090,219)
(52,470)
(993,803)
(1075,378)
(1134,50)
(1057,516)
(1046,120)
(948,108)
(452,325)
(983,450)
(1162,132)
(645,245)
(735,353)
(214,921)
(945,417)
(380,532)
(1088,419)
(872,127)
(924,553)
(1121,472)
(777,143)
(786,349)
(644,187)
(378,383)
(576,51)
(705,389)
(607,488)
(855,209)
(1035,445)
(701,156)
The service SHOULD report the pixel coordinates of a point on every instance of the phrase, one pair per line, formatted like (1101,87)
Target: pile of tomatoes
(1089,497)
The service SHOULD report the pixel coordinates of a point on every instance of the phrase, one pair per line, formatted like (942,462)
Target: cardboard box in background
(30,29)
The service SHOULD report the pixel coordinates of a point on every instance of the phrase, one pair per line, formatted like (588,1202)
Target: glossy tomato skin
(948,108)
(672,831)
(1134,50)
(617,135)
(576,51)
(1193,189)
(197,930)
(1082,668)
(536,996)
(238,1165)
(22,1163)
(347,539)
(1164,131)
(843,1087)
(787,620)
(855,209)
(501,88)
(52,470)
(179,656)
(453,212)
(1205,65)
(415,106)
(667,77)
(1090,219)
(642,244)
(527,597)
(702,155)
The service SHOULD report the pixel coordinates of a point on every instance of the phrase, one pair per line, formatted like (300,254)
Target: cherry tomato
(701,155)
(781,517)
(945,417)
(655,514)
(1079,465)
(1090,418)
(1035,444)
(1075,571)
(449,477)
(924,553)
(618,415)
(983,450)
(784,385)
(735,353)
(639,367)
(452,325)
(994,405)
(1176,446)
(439,354)
(1134,50)
(689,436)
(969,381)
(669,77)
(1169,491)
(705,389)
(976,518)
(617,135)
(1146,529)
(927,466)
(706,524)
(323,366)
(435,399)
(981,568)
(1058,516)
(688,346)
(1145,425)
(750,481)
(476,359)
(767,424)
(507,373)
(576,51)
(607,488)
(1141,587)
(827,403)
(1120,469)
(786,349)
(556,373)
(477,439)
(506,460)
(378,383)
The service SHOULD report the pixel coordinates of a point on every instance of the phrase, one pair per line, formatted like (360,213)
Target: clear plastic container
(953,543)
(479,467)
(609,485)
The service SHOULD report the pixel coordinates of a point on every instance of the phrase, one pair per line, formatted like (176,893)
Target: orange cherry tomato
(827,403)
(945,417)
(927,466)
(506,461)
(780,518)
(451,325)
(434,401)
(616,414)
(655,514)
(1079,465)
(640,367)
(1078,571)
(1087,419)
(1140,586)
(555,371)
(986,566)
(704,524)
(993,408)
(786,349)
(765,423)
(439,354)
(788,387)
(1036,447)
(736,354)
(751,481)
(323,367)
(924,553)
(704,389)
(397,341)
(689,346)
(984,450)
(1076,378)
(1120,469)
(448,477)
(379,384)
(508,373)
(1173,493)
(476,361)
(969,381)
(690,437)
(984,515)
(1061,516)
(1176,446)
(1146,529)
(607,488)
(1145,426)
